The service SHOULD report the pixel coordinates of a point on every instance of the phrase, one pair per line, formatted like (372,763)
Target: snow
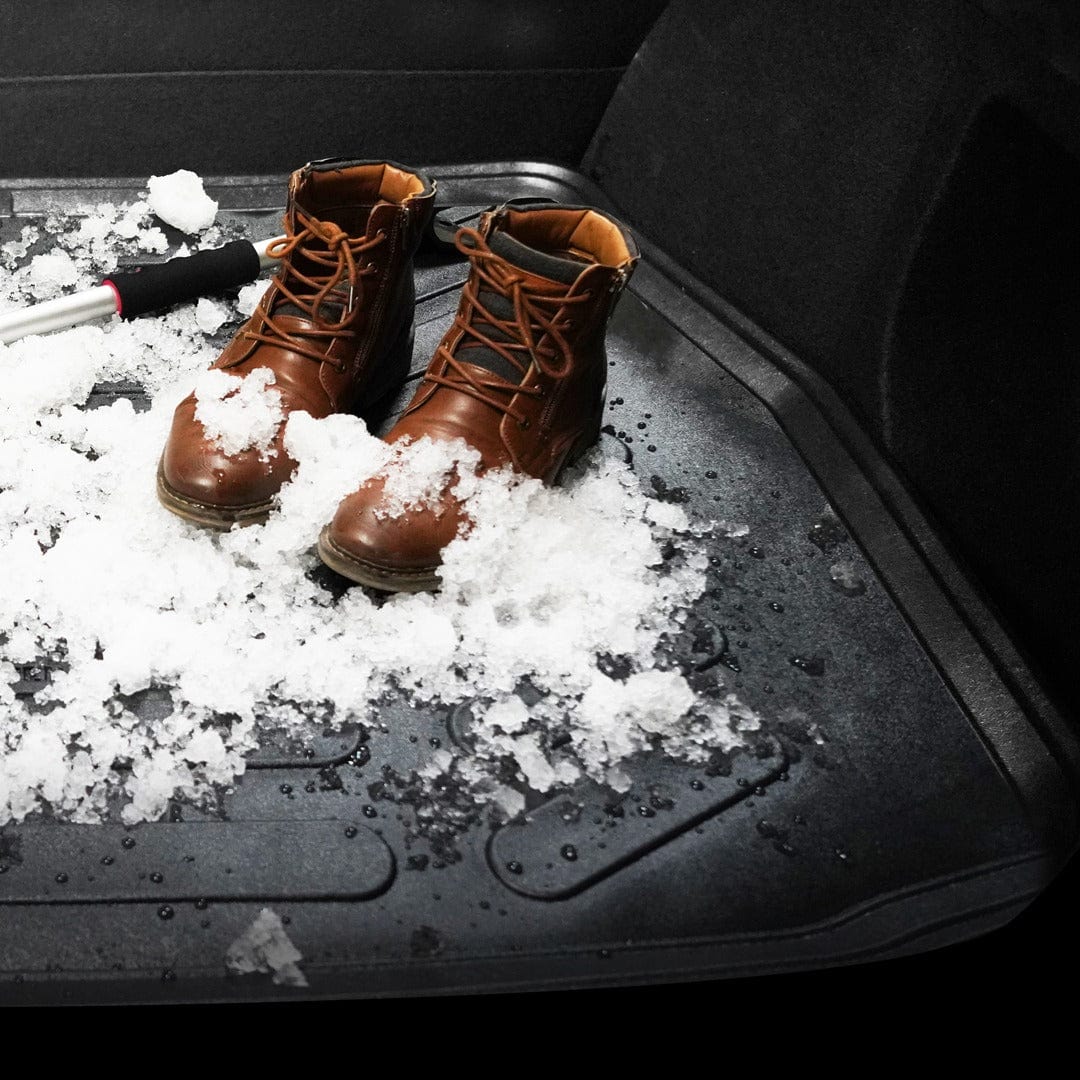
(210,315)
(239,412)
(126,599)
(265,947)
(180,200)
(249,297)
(53,271)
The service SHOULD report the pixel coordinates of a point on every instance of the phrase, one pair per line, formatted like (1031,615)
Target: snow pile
(265,947)
(240,412)
(180,200)
(228,635)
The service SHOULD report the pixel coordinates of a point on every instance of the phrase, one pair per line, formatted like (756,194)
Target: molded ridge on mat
(574,840)
(192,861)
(326,748)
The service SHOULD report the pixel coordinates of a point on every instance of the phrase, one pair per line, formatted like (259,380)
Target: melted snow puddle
(238,627)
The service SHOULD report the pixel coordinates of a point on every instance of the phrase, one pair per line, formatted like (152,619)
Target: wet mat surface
(867,780)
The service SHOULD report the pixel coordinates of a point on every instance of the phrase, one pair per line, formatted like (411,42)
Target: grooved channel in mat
(575,840)
(215,860)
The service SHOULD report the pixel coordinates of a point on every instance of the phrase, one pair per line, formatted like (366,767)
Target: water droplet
(646,811)
(756,552)
(569,852)
(201,904)
(61,878)
(286,789)
(845,579)
(157,878)
(812,665)
(369,811)
(168,975)
(165,912)
(697,785)
(350,831)
(128,842)
(776,605)
(514,866)
(107,860)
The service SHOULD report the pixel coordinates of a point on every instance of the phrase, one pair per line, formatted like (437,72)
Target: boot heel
(390,375)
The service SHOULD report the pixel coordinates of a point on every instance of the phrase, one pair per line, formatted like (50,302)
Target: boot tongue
(540,263)
(333,307)
(555,267)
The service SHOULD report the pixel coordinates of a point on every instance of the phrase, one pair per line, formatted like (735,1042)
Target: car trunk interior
(854,328)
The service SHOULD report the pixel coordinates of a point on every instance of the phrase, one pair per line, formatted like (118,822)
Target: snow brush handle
(161,285)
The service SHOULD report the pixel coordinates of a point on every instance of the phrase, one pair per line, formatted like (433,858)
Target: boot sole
(396,361)
(426,578)
(374,576)
(221,518)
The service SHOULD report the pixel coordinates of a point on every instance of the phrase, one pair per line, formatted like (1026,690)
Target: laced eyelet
(524,424)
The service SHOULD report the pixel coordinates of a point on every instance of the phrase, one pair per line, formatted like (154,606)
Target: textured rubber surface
(152,287)
(894,802)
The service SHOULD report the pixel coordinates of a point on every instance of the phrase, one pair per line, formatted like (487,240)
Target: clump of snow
(180,200)
(53,271)
(419,471)
(129,603)
(250,295)
(240,412)
(264,946)
(211,315)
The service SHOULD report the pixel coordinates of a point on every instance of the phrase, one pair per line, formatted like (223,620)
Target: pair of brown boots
(520,375)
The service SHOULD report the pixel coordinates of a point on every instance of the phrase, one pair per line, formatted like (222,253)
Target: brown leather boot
(335,326)
(520,375)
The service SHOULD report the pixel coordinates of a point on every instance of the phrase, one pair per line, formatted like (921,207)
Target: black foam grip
(153,287)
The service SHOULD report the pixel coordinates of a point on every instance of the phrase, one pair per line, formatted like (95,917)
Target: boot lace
(339,253)
(533,336)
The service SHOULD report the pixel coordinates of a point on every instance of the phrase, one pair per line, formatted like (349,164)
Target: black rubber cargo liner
(911,788)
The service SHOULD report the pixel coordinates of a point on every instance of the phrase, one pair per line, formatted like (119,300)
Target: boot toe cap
(397,552)
(195,470)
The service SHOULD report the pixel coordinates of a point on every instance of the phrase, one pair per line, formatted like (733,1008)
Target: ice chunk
(249,297)
(210,315)
(53,271)
(180,200)
(240,412)
(265,947)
